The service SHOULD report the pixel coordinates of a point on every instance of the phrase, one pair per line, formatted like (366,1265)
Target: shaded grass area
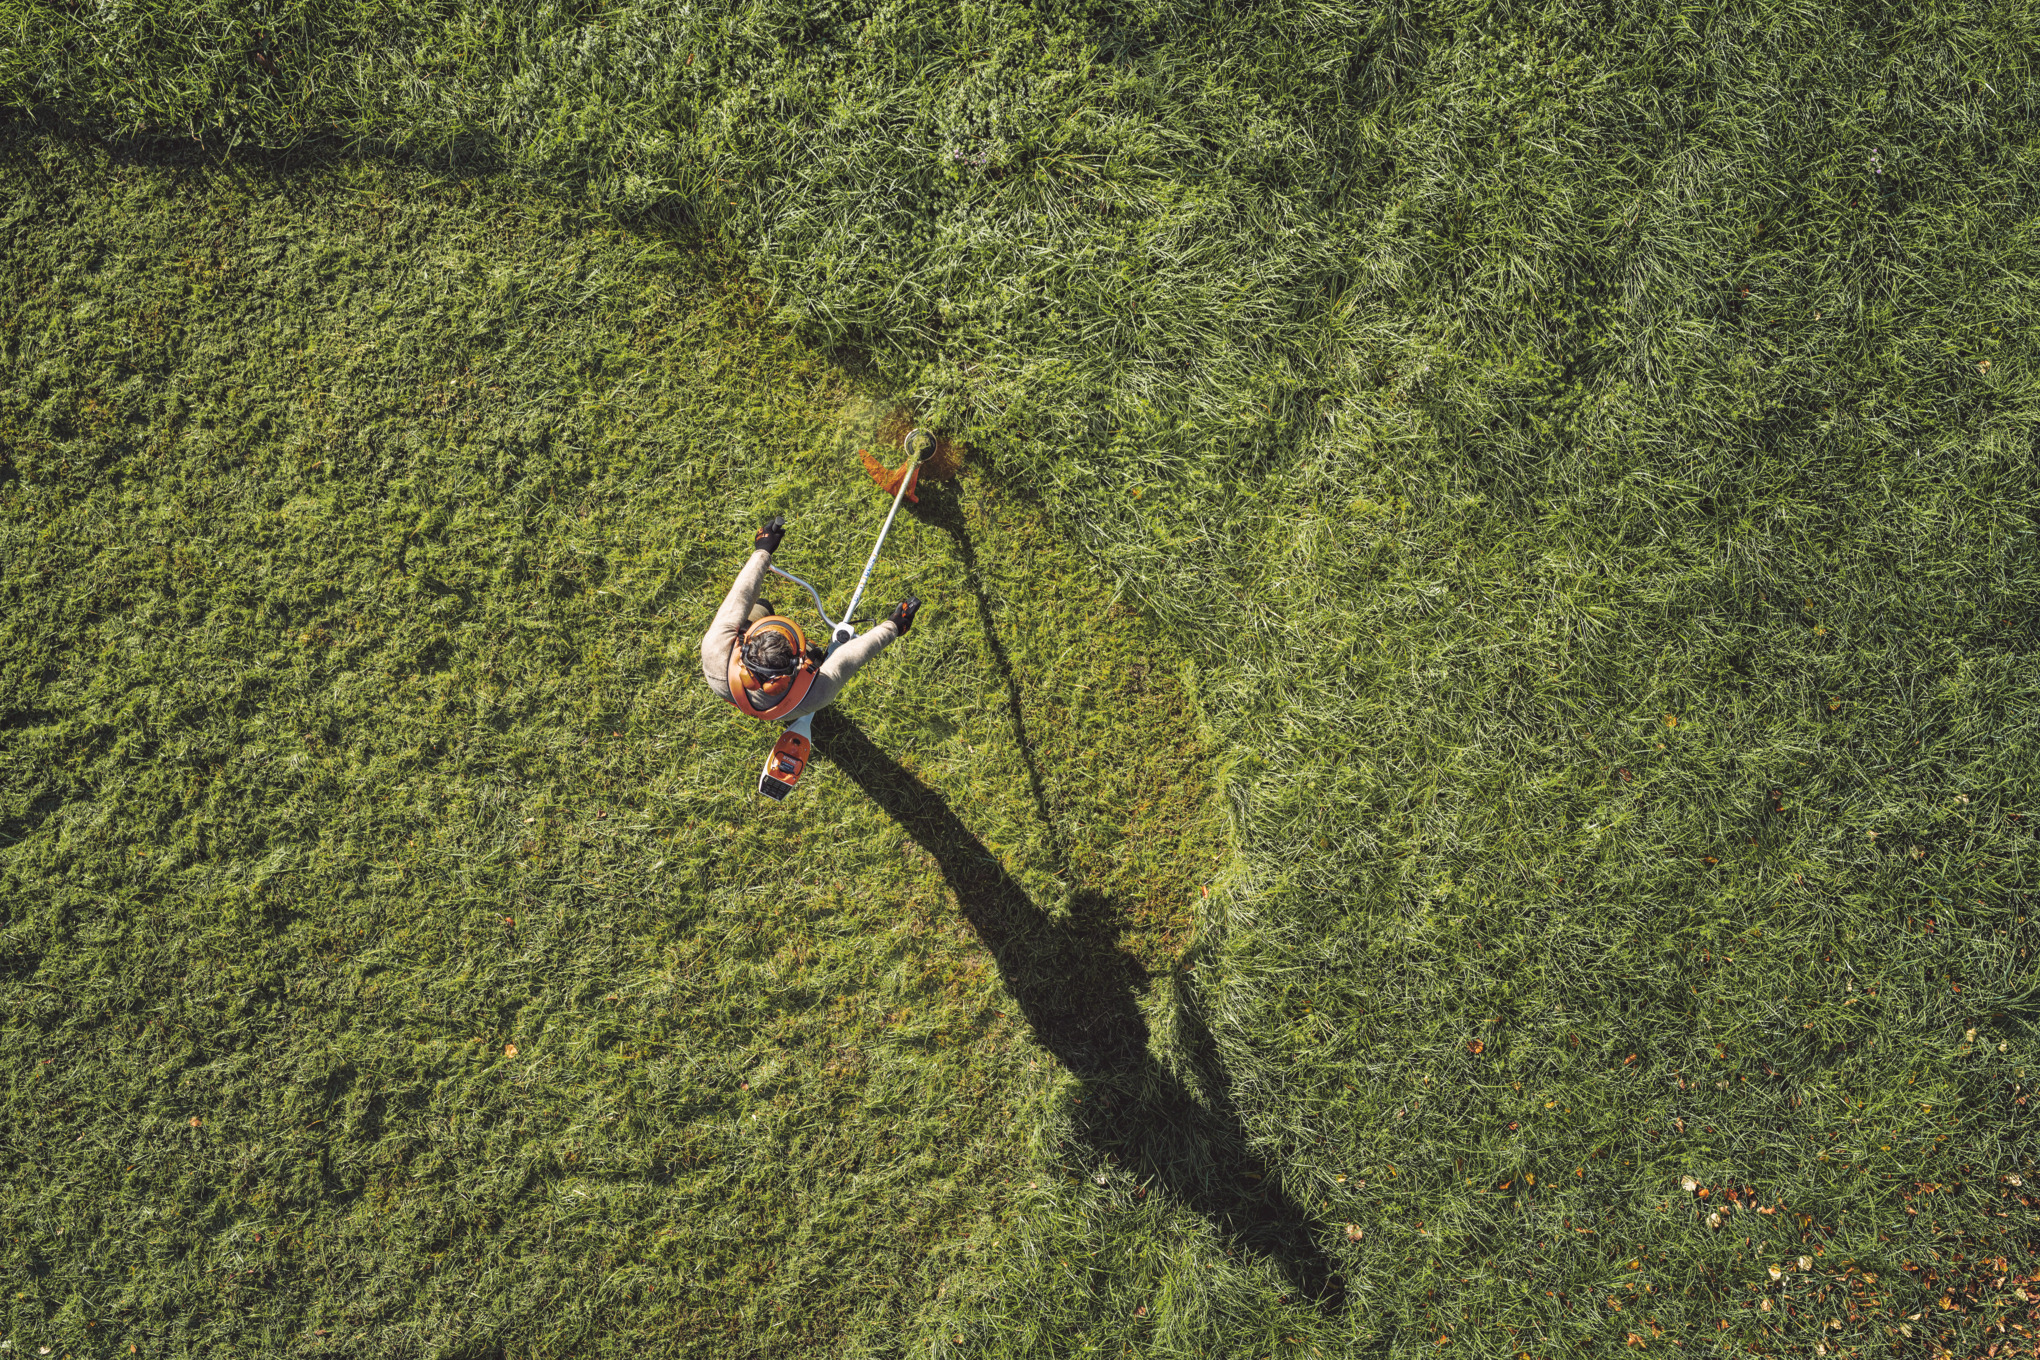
(396,958)
(1594,449)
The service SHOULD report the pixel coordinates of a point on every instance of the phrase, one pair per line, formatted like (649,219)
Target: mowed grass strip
(396,957)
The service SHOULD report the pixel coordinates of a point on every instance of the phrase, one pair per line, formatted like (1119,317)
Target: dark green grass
(358,532)
(1556,428)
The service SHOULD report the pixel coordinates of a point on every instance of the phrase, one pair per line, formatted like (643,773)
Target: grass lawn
(398,959)
(1490,804)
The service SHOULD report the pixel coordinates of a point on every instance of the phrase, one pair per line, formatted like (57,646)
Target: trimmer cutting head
(927,455)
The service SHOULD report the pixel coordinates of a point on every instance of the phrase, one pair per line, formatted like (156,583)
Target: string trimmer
(790,754)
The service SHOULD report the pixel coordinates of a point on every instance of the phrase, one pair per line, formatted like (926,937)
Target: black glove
(769,536)
(902,616)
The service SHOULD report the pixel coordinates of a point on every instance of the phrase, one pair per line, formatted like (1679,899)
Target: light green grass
(1474,389)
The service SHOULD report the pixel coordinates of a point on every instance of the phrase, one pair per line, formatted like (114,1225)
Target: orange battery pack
(782,768)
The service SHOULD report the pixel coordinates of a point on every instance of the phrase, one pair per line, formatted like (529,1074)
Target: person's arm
(721,636)
(843,663)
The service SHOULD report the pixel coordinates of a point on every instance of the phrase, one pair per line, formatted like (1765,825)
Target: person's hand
(902,616)
(769,536)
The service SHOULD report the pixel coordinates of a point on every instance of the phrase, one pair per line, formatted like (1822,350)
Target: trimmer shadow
(939,506)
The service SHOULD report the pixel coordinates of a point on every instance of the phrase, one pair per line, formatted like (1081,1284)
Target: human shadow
(1078,990)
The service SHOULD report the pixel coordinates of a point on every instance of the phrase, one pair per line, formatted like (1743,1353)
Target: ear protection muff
(758,675)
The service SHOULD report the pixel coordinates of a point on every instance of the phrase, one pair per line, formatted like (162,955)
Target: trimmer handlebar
(841,631)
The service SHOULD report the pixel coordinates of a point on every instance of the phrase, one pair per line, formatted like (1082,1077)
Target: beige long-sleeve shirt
(721,640)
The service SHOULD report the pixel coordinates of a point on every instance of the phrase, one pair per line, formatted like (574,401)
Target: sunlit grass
(1590,455)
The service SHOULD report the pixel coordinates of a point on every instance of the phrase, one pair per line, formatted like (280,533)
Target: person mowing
(760,661)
